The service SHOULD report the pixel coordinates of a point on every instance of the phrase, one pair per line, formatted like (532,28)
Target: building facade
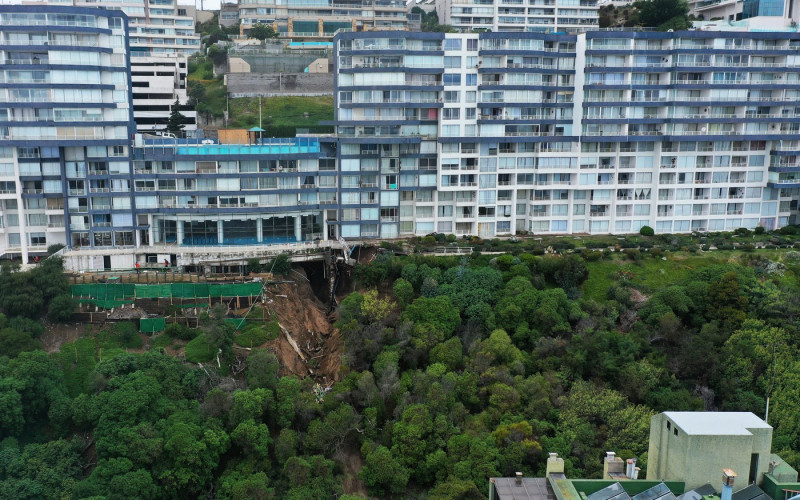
(694,446)
(540,16)
(279,191)
(162,36)
(322,18)
(489,134)
(65,127)
(604,132)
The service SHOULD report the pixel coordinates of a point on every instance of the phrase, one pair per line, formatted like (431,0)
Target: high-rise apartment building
(65,128)
(486,134)
(162,36)
(322,18)
(603,132)
(541,16)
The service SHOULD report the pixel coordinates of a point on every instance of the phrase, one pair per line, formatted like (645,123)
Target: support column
(220,232)
(179,232)
(260,229)
(298,236)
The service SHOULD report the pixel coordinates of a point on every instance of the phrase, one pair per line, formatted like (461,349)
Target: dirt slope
(303,316)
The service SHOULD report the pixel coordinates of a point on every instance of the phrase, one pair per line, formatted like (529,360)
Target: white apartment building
(540,16)
(65,128)
(162,36)
(604,132)
(322,18)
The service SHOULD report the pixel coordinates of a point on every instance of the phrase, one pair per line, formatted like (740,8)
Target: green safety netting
(152,325)
(124,293)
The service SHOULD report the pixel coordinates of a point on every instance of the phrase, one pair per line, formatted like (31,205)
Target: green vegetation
(661,14)
(207,94)
(454,369)
(254,335)
(262,32)
(430,21)
(200,350)
(280,116)
(161,341)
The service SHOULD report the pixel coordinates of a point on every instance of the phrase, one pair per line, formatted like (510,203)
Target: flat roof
(530,488)
(711,423)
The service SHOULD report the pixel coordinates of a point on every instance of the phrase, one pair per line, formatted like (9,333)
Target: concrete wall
(699,459)
(252,84)
(238,65)
(319,66)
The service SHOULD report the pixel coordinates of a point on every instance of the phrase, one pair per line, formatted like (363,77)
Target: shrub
(656,253)
(748,247)
(178,331)
(591,256)
(129,336)
(451,238)
(200,350)
(646,231)
(706,248)
(759,230)
(633,253)
(160,341)
(61,308)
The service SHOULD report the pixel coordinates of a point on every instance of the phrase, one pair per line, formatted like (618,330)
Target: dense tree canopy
(454,370)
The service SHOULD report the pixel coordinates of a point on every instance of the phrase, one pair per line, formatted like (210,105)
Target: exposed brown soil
(303,317)
(56,334)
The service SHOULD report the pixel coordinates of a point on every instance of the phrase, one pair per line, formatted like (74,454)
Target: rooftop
(529,488)
(701,423)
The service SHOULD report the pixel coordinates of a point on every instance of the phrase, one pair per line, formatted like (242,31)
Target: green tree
(262,370)
(403,292)
(663,14)
(61,308)
(262,32)
(383,473)
(176,121)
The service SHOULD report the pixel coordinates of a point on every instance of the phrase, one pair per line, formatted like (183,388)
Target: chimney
(555,465)
(630,467)
(728,477)
(613,467)
(636,471)
(518,479)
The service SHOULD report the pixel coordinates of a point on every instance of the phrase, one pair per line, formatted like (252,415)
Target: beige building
(695,446)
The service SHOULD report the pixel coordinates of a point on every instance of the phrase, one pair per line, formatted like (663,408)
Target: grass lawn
(281,115)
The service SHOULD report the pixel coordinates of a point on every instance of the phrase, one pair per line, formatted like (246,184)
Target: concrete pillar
(220,233)
(290,26)
(179,232)
(321,28)
(298,235)
(260,229)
